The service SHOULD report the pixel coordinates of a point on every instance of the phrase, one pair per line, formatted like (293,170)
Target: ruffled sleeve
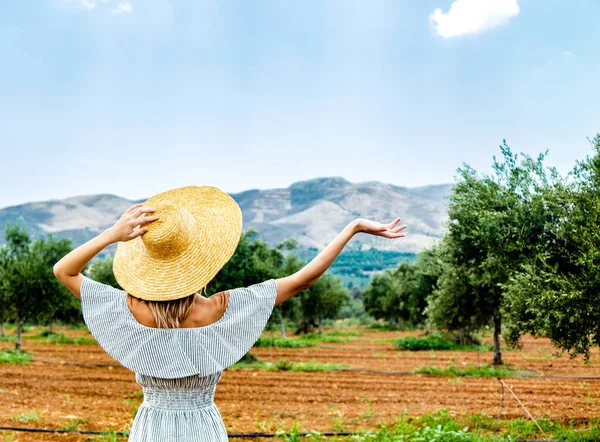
(177,352)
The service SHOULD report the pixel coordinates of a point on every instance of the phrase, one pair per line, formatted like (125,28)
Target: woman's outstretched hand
(125,228)
(391,230)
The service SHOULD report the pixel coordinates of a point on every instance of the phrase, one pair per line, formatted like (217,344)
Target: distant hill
(312,212)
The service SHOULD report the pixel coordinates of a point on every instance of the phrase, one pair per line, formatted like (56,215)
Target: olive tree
(557,292)
(496,223)
(30,290)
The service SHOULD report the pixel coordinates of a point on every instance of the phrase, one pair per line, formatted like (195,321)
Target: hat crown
(171,233)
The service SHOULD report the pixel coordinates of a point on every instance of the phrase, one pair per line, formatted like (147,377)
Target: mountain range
(312,212)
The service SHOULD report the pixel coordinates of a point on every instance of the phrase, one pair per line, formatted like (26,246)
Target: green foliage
(285,365)
(102,271)
(400,296)
(60,338)
(30,416)
(472,370)
(434,342)
(354,267)
(496,223)
(325,337)
(28,289)
(441,426)
(283,342)
(9,356)
(109,436)
(72,424)
(322,300)
(555,293)
(253,262)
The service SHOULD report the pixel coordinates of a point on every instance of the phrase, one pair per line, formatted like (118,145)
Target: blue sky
(136,97)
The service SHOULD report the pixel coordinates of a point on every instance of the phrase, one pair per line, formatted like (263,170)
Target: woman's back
(178,368)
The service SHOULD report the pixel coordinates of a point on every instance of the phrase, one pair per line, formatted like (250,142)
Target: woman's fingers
(141,210)
(399,228)
(137,232)
(132,208)
(147,219)
(393,223)
(395,235)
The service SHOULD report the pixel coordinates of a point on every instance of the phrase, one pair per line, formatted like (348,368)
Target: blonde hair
(170,314)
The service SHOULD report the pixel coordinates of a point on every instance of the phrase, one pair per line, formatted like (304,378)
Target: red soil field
(107,397)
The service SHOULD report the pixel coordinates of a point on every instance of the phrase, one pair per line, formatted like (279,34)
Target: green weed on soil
(472,370)
(11,356)
(435,342)
(285,365)
(442,427)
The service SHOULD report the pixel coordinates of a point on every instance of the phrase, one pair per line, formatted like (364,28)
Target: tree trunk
(320,323)
(2,329)
(18,334)
(51,327)
(282,326)
(497,331)
(393,322)
(304,328)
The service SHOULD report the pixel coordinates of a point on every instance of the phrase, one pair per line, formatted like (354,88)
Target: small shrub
(60,338)
(10,356)
(435,342)
(315,338)
(283,343)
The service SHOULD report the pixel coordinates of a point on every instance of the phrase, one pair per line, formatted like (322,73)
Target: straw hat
(197,231)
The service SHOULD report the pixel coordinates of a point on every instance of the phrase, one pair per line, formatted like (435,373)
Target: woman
(176,341)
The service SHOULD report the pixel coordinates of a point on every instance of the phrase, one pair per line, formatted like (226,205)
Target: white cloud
(568,53)
(472,16)
(122,7)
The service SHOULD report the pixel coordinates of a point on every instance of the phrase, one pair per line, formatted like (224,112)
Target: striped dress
(177,368)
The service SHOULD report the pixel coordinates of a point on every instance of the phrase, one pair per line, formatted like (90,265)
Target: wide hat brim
(214,225)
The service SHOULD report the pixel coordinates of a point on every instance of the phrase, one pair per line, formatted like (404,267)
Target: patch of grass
(10,356)
(77,327)
(302,341)
(472,370)
(316,337)
(285,365)
(60,338)
(383,327)
(435,342)
(29,416)
(442,426)
(8,437)
(109,436)
(7,338)
(279,342)
(13,326)
(336,332)
(73,423)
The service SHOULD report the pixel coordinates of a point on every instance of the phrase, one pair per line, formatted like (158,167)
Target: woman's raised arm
(68,269)
(311,272)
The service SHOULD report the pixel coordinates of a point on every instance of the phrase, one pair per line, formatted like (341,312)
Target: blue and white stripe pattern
(177,368)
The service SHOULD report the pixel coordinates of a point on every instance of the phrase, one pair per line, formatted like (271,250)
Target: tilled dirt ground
(107,397)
